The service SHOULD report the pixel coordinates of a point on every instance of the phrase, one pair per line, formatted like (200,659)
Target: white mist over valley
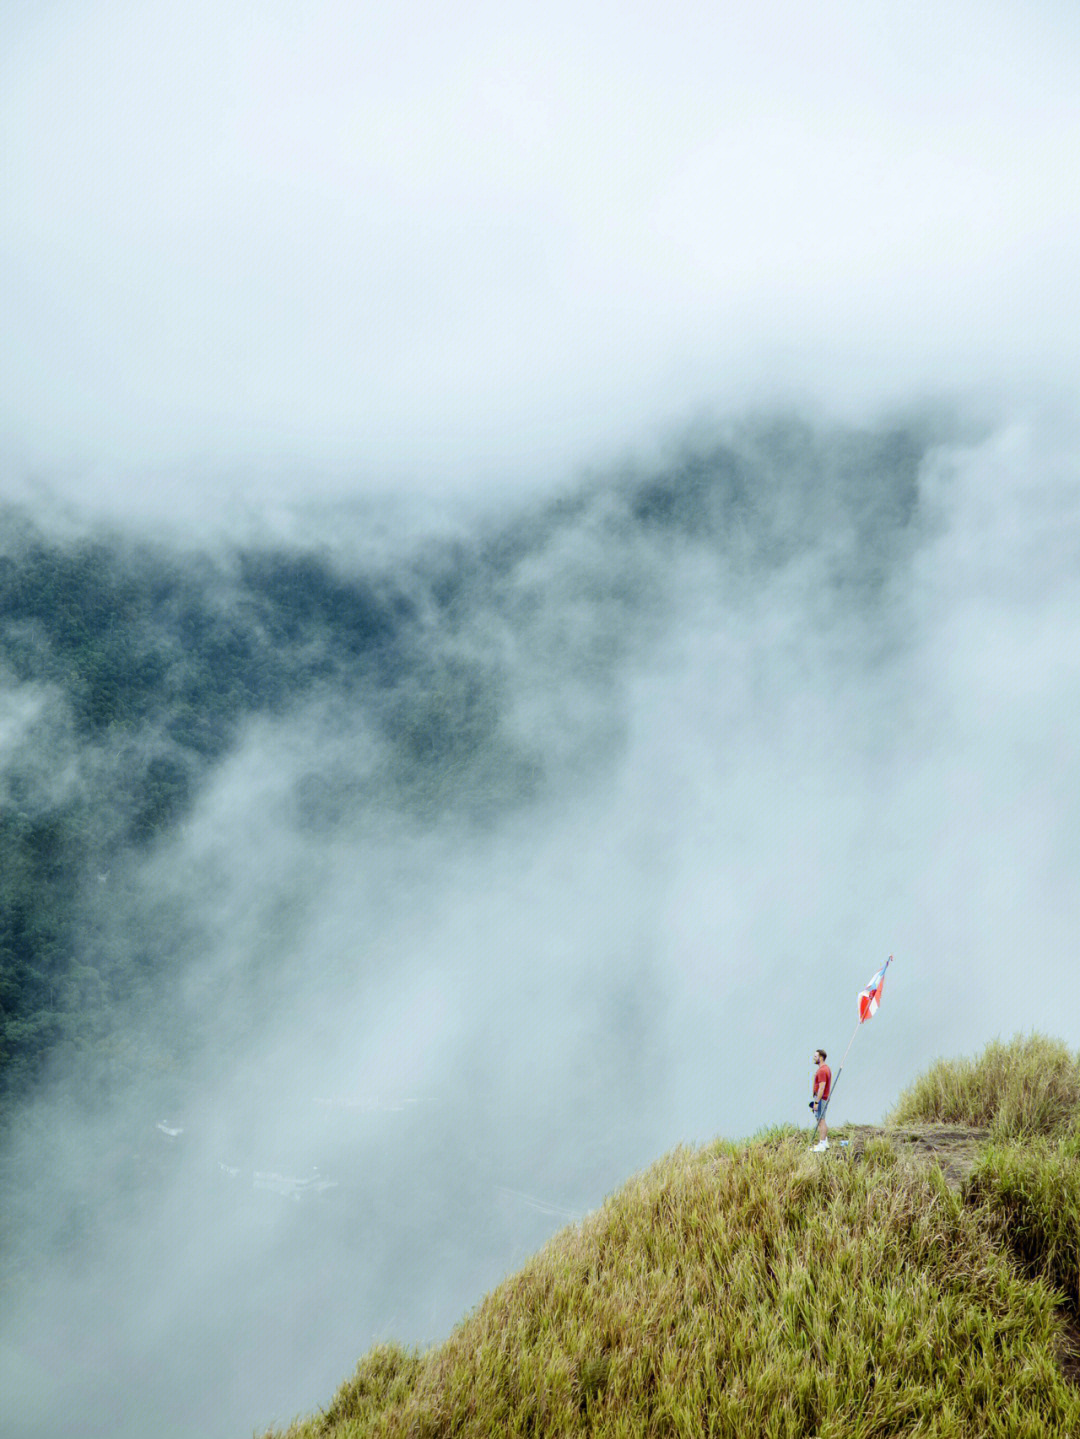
(535,550)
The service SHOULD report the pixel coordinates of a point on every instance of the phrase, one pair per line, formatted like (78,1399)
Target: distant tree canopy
(145,662)
(156,661)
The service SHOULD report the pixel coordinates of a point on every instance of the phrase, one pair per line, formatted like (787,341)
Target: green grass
(1032,1195)
(763,1290)
(1030,1086)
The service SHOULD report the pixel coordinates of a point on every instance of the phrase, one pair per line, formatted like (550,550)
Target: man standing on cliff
(822,1086)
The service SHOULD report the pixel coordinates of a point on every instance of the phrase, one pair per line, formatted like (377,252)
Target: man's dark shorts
(819,1107)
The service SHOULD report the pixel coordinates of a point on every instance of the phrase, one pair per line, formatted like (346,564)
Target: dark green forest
(148,663)
(139,665)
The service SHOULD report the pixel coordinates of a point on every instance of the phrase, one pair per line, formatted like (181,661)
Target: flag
(870,998)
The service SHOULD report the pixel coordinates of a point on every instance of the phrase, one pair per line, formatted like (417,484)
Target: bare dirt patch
(953,1147)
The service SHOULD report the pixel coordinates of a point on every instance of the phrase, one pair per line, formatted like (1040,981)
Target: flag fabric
(870,998)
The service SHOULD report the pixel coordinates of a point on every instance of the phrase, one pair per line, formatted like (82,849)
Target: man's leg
(822,1132)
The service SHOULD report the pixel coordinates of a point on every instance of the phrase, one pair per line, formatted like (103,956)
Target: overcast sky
(431,243)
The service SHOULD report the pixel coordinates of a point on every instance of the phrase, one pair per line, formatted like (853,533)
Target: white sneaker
(819,1146)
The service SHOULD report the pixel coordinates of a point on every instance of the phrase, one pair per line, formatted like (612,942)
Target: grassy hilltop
(759,1289)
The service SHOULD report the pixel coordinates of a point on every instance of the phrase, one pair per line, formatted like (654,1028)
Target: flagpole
(839,1072)
(851,1041)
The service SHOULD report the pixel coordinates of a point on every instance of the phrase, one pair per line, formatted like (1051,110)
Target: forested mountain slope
(130,668)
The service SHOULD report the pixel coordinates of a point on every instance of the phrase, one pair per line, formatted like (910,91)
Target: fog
(431,248)
(620,471)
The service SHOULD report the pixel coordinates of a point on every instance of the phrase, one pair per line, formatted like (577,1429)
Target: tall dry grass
(1031,1196)
(1028,1087)
(731,1292)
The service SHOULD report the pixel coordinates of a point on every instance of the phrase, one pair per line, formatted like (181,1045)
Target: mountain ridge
(920,1278)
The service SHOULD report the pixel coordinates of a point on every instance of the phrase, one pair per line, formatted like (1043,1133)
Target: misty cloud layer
(439,249)
(560,840)
(536,547)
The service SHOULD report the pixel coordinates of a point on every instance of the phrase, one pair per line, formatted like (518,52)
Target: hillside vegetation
(760,1289)
(130,673)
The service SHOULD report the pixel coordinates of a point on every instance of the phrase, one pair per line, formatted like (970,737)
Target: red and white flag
(870,998)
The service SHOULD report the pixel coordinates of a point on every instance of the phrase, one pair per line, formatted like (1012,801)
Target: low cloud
(315,250)
(650,779)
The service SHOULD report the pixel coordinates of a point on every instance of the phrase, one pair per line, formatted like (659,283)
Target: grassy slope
(762,1290)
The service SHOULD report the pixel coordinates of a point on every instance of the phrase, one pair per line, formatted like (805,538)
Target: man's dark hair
(823,1054)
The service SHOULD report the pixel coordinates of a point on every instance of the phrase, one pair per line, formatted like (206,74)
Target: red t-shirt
(823,1075)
